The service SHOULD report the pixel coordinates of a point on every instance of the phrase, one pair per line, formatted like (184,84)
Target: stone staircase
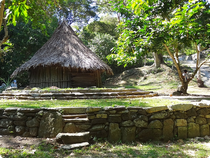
(75,94)
(76,134)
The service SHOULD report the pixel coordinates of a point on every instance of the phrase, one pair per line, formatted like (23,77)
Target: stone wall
(119,123)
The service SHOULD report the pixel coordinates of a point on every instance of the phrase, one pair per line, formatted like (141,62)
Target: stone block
(92,109)
(74,146)
(207,116)
(97,127)
(71,138)
(83,127)
(181,122)
(74,110)
(180,115)
(193,130)
(20,123)
(160,115)
(190,119)
(200,120)
(182,133)
(101,115)
(50,125)
(203,111)
(127,123)
(128,134)
(33,123)
(33,131)
(19,130)
(99,134)
(204,129)
(191,112)
(155,124)
(114,118)
(4,123)
(150,134)
(156,109)
(4,131)
(98,121)
(140,123)
(114,132)
(125,116)
(90,117)
(70,128)
(181,107)
(168,126)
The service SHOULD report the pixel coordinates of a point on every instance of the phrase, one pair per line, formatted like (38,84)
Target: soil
(11,142)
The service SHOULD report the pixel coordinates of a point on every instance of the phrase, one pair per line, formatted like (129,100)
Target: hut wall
(63,77)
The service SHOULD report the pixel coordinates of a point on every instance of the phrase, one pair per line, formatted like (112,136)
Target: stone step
(76,120)
(72,138)
(74,146)
(75,116)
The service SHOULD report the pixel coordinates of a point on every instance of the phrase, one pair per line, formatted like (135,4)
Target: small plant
(6,83)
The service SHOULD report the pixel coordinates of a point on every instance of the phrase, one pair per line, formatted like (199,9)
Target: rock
(92,109)
(181,107)
(193,130)
(180,115)
(190,119)
(83,127)
(203,104)
(101,115)
(74,110)
(51,124)
(182,133)
(98,121)
(33,131)
(181,122)
(19,130)
(161,115)
(20,123)
(114,132)
(191,112)
(72,138)
(125,116)
(114,118)
(156,109)
(33,123)
(127,123)
(99,134)
(128,134)
(200,120)
(74,146)
(97,127)
(203,111)
(4,123)
(70,128)
(168,126)
(155,124)
(204,129)
(140,123)
(150,134)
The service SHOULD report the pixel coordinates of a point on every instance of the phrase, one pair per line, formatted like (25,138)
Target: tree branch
(6,35)
(2,2)
(176,64)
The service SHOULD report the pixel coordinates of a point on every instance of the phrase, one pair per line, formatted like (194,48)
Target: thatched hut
(64,61)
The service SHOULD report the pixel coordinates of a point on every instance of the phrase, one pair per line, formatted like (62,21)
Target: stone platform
(76,94)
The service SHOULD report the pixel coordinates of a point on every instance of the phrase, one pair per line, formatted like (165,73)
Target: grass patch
(185,149)
(142,102)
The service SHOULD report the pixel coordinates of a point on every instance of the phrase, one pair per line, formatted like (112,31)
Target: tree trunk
(2,2)
(158,59)
(184,87)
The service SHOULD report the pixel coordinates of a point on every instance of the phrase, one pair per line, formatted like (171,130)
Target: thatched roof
(65,48)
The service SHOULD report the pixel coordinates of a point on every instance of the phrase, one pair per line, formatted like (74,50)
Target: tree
(163,25)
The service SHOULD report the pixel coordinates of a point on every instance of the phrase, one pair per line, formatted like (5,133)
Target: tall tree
(164,25)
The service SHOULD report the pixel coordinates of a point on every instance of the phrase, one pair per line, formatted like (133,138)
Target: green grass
(186,149)
(142,102)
